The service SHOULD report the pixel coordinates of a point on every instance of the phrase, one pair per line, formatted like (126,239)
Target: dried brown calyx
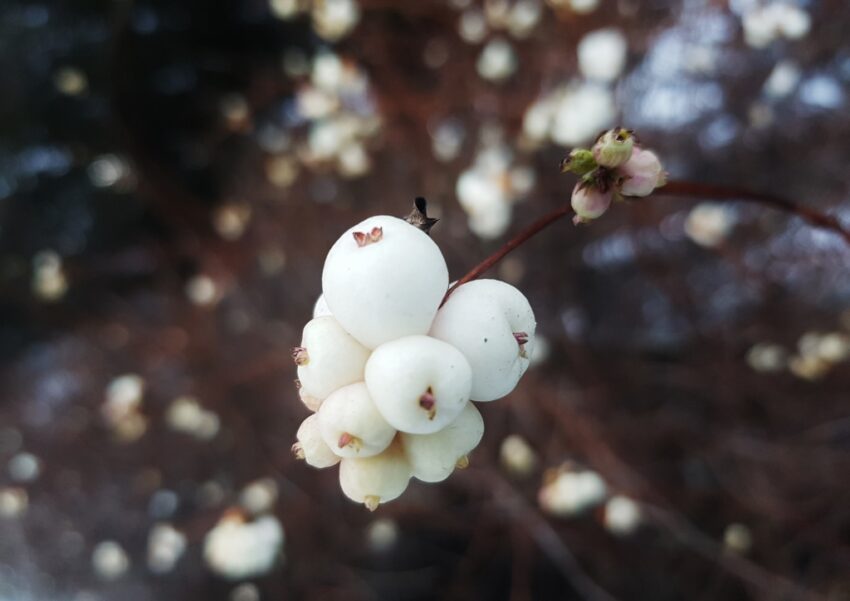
(370,237)
(349,440)
(429,403)
(300,356)
(418,217)
(521,338)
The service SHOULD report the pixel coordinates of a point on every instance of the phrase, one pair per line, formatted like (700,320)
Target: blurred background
(173,173)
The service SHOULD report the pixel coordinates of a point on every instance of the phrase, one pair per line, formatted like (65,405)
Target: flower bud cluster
(389,373)
(616,167)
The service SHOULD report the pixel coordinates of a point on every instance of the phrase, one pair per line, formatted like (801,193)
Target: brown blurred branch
(673,188)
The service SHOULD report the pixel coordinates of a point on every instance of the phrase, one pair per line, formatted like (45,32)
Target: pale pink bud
(614,147)
(589,202)
(642,173)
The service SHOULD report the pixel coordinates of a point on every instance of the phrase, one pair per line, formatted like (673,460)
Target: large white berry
(328,358)
(492,324)
(376,479)
(418,383)
(384,279)
(351,425)
(311,447)
(433,457)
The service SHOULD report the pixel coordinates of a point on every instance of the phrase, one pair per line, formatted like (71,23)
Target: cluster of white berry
(616,167)
(390,373)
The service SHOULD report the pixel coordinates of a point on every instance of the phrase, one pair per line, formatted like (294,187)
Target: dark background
(647,379)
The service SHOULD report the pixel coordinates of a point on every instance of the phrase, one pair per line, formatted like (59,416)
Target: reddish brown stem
(811,216)
(673,188)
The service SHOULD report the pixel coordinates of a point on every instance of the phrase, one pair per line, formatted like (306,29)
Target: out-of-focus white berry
(328,358)
(109,560)
(524,17)
(766,23)
(418,383)
(285,9)
(311,447)
(377,479)
(492,324)
(165,548)
(517,456)
(258,497)
(537,121)
(709,224)
(472,26)
(834,347)
(384,279)
(568,493)
(334,19)
(48,279)
(622,515)
(766,357)
(580,7)
(782,80)
(185,414)
(602,54)
(238,550)
(433,457)
(13,502)
(614,147)
(642,173)
(497,60)
(589,202)
(351,425)
(321,309)
(382,534)
(738,538)
(24,467)
(809,367)
(247,591)
(581,112)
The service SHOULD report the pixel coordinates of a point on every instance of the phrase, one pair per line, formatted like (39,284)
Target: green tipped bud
(580,162)
(614,147)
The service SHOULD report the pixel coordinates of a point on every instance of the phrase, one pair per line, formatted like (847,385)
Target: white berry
(384,279)
(321,309)
(433,457)
(419,384)
(328,358)
(351,425)
(377,479)
(492,324)
(311,447)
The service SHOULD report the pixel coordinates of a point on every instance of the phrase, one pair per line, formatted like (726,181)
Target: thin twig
(808,214)
(673,188)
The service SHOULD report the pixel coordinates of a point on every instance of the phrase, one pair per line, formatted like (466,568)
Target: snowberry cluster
(616,167)
(390,373)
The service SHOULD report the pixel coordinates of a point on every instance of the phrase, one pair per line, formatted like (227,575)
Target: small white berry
(377,479)
(351,425)
(492,324)
(419,384)
(433,457)
(328,358)
(311,447)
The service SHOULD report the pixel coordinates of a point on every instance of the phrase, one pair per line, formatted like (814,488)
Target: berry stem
(672,188)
